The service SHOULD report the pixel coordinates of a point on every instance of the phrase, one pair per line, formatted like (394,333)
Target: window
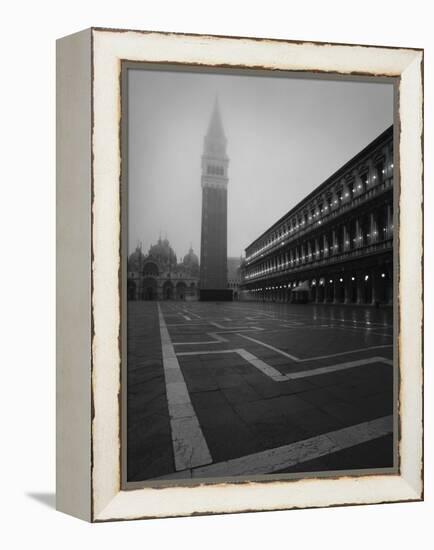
(379,168)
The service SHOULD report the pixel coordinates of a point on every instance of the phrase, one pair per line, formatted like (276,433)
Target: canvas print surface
(259,276)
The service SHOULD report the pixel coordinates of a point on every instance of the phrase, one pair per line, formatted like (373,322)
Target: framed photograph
(239,271)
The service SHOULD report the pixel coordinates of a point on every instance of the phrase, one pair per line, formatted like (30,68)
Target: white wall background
(27,387)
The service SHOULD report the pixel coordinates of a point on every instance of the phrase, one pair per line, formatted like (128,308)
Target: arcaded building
(336,245)
(234,276)
(158,275)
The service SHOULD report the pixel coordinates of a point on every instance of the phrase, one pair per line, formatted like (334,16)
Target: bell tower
(214,180)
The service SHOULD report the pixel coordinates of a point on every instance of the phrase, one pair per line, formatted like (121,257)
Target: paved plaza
(250,388)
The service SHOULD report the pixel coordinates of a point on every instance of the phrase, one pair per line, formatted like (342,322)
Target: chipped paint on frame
(109,49)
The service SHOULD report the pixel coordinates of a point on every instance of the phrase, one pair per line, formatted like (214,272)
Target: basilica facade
(336,245)
(158,275)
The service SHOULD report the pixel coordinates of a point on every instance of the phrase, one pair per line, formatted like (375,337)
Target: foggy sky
(285,136)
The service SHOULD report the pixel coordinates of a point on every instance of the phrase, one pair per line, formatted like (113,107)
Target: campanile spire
(214,181)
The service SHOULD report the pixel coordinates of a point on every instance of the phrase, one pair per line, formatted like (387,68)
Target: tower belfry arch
(214,182)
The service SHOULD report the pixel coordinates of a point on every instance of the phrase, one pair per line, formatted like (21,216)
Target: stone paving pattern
(241,410)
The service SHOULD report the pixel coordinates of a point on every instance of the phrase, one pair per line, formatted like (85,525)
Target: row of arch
(365,230)
(357,182)
(149,290)
(369,287)
(150,269)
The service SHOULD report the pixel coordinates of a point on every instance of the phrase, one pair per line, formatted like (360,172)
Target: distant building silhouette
(158,275)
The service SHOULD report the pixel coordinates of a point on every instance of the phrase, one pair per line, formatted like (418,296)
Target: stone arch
(340,289)
(313,292)
(181,290)
(168,290)
(320,292)
(150,269)
(366,297)
(328,289)
(192,289)
(131,290)
(353,289)
(385,292)
(149,289)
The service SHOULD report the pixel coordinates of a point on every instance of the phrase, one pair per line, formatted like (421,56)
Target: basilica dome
(190,263)
(136,259)
(191,259)
(162,253)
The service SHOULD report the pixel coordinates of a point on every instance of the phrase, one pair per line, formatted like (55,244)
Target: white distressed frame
(109,47)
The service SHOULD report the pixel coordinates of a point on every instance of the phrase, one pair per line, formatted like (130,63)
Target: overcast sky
(285,136)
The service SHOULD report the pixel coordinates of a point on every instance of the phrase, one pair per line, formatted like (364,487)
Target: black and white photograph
(217,275)
(259,284)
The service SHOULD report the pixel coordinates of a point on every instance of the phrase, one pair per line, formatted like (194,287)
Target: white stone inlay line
(277,376)
(268,370)
(233,329)
(333,368)
(316,358)
(286,456)
(192,313)
(189,446)
(199,324)
(218,339)
(207,352)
